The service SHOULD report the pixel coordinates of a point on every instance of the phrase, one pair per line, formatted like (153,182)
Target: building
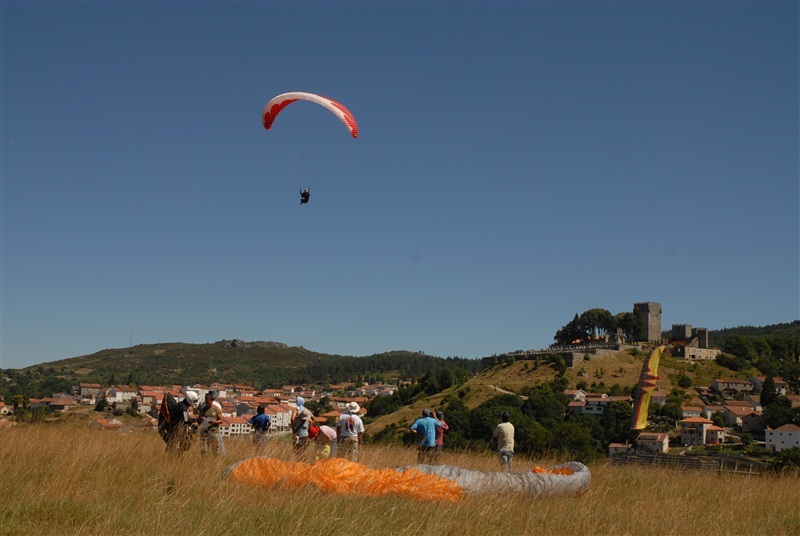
(782,438)
(649,314)
(685,333)
(729,387)
(649,443)
(619,449)
(694,430)
(715,435)
(691,353)
(758,384)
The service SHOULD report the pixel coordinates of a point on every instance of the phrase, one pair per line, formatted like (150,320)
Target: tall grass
(67,478)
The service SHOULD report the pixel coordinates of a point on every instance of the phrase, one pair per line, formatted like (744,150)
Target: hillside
(265,364)
(622,369)
(259,364)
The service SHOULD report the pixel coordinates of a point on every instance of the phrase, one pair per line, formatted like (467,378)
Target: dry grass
(72,479)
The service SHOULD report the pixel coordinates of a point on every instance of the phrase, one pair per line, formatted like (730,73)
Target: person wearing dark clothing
(304,195)
(260,423)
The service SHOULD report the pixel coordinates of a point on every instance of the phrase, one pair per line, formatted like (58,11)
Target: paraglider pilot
(304,195)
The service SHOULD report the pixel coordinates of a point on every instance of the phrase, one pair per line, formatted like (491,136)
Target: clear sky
(518,163)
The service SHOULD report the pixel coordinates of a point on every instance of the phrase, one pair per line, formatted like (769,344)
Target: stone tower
(649,314)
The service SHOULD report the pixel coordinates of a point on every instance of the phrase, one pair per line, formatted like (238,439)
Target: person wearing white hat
(350,431)
(302,418)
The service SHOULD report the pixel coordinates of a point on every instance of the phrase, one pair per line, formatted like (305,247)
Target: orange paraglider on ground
(423,482)
(337,475)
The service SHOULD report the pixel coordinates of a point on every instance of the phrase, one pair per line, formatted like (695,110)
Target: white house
(691,411)
(235,426)
(121,393)
(652,443)
(785,437)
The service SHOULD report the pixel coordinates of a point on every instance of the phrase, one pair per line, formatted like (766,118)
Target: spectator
(211,418)
(302,418)
(261,424)
(437,452)
(425,427)
(504,434)
(350,429)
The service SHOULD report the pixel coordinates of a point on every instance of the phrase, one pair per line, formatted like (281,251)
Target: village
(239,403)
(710,424)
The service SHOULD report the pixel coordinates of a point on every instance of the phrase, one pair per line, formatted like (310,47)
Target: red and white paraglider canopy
(274,107)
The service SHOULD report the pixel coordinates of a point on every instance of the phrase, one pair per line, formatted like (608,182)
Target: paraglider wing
(274,107)
(644,392)
(423,482)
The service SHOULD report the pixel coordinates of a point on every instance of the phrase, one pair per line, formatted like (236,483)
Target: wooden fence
(717,465)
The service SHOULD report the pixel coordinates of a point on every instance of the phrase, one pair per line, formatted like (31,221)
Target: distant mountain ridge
(260,364)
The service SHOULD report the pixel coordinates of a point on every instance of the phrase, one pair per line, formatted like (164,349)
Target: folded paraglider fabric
(423,482)
(567,479)
(337,475)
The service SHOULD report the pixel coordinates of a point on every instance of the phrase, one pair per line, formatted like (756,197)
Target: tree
(571,332)
(630,325)
(741,347)
(20,402)
(446,378)
(780,412)
(684,381)
(769,393)
(597,322)
(616,422)
(101,405)
(133,411)
(787,460)
(576,441)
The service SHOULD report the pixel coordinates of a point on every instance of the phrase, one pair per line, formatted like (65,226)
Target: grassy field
(70,478)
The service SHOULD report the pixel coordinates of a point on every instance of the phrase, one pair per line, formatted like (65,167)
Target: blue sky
(518,163)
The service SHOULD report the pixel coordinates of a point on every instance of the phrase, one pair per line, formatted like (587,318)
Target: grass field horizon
(70,478)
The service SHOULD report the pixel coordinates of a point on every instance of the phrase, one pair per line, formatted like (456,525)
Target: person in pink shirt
(439,436)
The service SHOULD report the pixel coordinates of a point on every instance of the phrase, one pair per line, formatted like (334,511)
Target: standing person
(211,418)
(425,427)
(175,421)
(504,434)
(437,452)
(301,420)
(350,429)
(260,423)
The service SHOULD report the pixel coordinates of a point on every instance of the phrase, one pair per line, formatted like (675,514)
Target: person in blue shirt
(425,427)
(260,423)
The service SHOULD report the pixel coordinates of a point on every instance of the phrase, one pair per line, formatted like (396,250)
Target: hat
(352,407)
(191,397)
(313,431)
(213,394)
(300,401)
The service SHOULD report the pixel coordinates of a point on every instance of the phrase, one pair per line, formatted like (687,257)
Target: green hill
(259,364)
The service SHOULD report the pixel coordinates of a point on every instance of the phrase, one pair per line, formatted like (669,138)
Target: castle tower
(649,314)
(681,332)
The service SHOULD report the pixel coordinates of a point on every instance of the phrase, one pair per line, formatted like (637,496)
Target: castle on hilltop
(688,342)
